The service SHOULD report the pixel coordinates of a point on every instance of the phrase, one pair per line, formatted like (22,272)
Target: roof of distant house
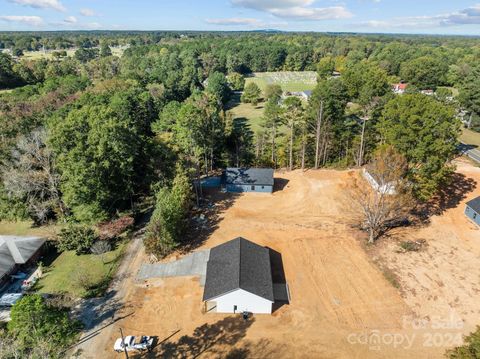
(18,250)
(401,86)
(308,93)
(239,264)
(249,176)
(475,204)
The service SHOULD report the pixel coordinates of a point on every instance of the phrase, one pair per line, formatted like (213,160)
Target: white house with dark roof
(249,179)
(239,278)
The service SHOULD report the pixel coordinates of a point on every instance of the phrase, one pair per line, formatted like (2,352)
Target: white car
(144,343)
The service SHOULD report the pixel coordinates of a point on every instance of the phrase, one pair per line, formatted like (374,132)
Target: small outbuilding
(378,184)
(249,180)
(472,210)
(239,278)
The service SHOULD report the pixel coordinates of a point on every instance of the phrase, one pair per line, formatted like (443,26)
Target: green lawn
(66,272)
(470,137)
(289,80)
(253,114)
(26,228)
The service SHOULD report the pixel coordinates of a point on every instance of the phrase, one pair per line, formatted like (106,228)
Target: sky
(460,17)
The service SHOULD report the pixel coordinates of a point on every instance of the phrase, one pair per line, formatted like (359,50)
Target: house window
(474,215)
(263,187)
(253,188)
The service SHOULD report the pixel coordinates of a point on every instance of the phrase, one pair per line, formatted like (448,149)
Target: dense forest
(85,138)
(92,137)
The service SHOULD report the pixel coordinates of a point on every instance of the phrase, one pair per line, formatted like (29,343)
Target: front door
(253,188)
(234,308)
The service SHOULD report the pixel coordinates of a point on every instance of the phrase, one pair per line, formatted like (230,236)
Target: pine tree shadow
(216,339)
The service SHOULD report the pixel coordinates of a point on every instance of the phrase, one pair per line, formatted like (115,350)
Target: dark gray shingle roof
(249,176)
(475,204)
(239,264)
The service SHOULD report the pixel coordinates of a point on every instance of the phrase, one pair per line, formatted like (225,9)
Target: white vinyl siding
(244,301)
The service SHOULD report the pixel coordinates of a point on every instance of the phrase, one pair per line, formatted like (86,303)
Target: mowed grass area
(292,81)
(470,137)
(36,55)
(252,114)
(68,272)
(26,228)
(289,81)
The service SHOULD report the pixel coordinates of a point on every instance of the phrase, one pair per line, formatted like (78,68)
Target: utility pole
(123,343)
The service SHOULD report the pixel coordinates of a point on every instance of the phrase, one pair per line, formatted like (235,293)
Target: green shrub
(470,350)
(76,238)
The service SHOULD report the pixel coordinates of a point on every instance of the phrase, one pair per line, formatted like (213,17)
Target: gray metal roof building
(239,264)
(472,210)
(474,204)
(16,251)
(249,176)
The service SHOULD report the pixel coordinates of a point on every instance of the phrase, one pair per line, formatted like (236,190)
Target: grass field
(289,80)
(65,273)
(36,55)
(26,228)
(253,114)
(470,137)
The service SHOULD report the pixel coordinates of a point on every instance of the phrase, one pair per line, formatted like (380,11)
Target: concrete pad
(194,264)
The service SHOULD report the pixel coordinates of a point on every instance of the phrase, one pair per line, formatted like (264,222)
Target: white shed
(239,278)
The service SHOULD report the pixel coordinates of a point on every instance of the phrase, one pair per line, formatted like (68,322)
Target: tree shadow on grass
(449,196)
(216,339)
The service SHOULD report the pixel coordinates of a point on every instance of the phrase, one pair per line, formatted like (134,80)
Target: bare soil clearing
(341,301)
(444,279)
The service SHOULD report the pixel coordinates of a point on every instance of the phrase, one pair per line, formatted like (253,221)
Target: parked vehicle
(130,343)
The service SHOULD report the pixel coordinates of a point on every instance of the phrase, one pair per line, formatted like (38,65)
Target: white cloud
(87,12)
(29,20)
(234,21)
(271,4)
(41,4)
(468,16)
(70,19)
(295,9)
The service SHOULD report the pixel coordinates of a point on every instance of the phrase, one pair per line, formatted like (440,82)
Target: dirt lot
(342,306)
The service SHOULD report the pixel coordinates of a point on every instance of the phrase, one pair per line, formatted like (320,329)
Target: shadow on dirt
(450,196)
(215,339)
(280,184)
(205,219)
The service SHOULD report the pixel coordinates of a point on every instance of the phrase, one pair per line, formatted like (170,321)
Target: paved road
(194,264)
(470,151)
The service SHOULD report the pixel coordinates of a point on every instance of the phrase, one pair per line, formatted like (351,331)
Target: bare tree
(31,174)
(318,132)
(382,196)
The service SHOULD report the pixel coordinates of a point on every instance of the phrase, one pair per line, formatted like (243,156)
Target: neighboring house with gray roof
(239,278)
(17,251)
(472,210)
(249,179)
